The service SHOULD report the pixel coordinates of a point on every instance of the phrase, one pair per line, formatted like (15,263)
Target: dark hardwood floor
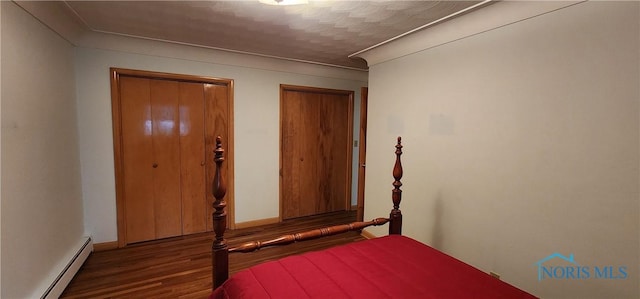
(181,267)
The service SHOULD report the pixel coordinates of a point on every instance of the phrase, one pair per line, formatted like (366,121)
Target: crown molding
(493,16)
(58,17)
(61,19)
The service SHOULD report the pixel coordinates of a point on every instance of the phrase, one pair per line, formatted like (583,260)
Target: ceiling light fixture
(283,2)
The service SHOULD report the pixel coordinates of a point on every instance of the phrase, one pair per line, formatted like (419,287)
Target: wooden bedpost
(395,218)
(220,252)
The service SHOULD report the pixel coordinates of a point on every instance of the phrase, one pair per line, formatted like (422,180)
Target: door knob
(155,165)
(202,163)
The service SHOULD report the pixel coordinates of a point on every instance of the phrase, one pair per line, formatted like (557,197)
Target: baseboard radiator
(62,280)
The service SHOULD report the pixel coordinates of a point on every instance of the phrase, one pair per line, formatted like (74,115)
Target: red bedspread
(386,267)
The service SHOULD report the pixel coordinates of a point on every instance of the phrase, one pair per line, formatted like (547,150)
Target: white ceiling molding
(320,32)
(196,53)
(57,16)
(498,14)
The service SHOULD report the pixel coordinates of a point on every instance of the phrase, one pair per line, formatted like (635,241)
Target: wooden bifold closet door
(315,142)
(163,151)
(166,128)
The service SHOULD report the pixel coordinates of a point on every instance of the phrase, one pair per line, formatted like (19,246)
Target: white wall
(41,207)
(256,120)
(520,141)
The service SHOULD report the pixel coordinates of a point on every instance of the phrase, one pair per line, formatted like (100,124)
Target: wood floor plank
(180,267)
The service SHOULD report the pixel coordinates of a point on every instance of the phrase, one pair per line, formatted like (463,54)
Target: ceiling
(323,32)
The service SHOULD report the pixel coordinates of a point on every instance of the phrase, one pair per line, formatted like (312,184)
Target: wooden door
(192,158)
(362,153)
(164,131)
(166,158)
(163,149)
(137,162)
(219,122)
(316,137)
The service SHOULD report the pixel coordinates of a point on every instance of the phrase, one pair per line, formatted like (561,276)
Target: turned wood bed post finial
(395,224)
(219,249)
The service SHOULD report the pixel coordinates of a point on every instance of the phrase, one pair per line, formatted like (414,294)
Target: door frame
(116,107)
(350,94)
(362,151)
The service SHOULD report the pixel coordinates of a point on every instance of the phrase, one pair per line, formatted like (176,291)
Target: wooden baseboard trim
(105,246)
(368,235)
(258,222)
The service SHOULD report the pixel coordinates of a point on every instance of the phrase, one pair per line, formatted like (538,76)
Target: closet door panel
(192,157)
(216,123)
(315,150)
(164,129)
(137,147)
(166,165)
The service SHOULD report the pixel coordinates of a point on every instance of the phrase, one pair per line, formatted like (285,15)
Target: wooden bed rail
(220,249)
(308,235)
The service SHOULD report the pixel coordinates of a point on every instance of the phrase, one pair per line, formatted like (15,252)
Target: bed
(393,266)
